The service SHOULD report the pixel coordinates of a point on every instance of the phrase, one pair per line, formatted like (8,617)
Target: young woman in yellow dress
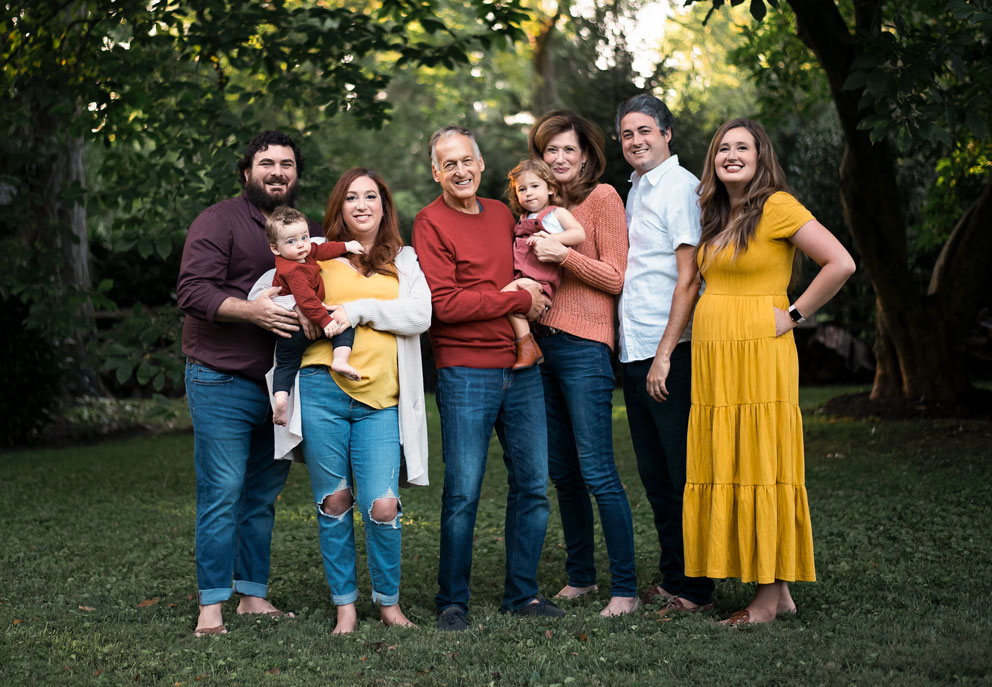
(745,512)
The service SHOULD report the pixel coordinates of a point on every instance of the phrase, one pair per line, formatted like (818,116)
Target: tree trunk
(71,237)
(545,95)
(916,337)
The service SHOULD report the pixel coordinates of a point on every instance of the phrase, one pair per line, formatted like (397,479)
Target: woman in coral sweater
(576,337)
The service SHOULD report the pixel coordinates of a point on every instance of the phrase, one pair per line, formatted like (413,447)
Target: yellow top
(374,352)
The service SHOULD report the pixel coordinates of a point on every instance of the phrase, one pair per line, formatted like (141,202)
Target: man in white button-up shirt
(659,293)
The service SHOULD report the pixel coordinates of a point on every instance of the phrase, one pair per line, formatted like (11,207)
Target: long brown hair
(721,224)
(538,168)
(591,143)
(387,242)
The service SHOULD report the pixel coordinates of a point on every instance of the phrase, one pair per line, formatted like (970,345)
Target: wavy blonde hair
(723,225)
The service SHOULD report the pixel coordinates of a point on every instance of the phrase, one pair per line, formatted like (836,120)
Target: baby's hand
(354,247)
(331,329)
(532,239)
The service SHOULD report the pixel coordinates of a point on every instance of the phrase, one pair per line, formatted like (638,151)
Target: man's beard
(260,198)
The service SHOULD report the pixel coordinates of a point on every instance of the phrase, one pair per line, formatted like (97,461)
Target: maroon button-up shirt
(226,252)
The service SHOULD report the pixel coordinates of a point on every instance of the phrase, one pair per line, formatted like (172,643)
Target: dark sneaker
(542,608)
(453,619)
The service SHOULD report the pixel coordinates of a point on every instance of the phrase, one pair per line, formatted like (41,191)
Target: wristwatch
(796,316)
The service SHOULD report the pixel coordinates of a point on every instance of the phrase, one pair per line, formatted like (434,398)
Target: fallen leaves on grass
(272,671)
(148,602)
(582,637)
(86,608)
(17,621)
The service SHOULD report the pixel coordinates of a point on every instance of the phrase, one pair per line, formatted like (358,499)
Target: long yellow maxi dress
(745,512)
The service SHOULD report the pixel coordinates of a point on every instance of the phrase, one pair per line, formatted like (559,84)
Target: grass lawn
(97,579)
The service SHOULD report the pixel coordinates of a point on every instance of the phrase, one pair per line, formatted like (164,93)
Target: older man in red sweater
(464,243)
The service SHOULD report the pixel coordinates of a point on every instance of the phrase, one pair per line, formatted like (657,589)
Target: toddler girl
(533,194)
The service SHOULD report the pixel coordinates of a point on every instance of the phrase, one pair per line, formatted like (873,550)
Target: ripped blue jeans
(352,447)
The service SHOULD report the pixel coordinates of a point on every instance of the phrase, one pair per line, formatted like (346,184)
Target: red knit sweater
(467,259)
(592,273)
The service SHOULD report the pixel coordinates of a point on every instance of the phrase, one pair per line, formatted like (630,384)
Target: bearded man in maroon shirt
(228,341)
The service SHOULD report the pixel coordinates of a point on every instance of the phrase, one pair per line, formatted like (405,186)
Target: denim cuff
(385,599)
(343,599)
(206,597)
(247,588)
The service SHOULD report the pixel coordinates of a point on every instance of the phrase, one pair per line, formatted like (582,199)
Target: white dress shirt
(662,214)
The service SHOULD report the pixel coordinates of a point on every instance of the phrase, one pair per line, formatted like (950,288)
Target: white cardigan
(407,317)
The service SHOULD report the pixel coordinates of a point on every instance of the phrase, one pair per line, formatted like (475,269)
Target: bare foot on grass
(347,619)
(392,616)
(786,606)
(256,605)
(620,605)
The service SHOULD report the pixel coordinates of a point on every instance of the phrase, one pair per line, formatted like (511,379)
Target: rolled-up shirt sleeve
(203,272)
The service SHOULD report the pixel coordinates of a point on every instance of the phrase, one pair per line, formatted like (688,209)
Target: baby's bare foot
(345,370)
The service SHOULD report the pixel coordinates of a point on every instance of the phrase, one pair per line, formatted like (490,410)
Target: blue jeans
(658,433)
(472,402)
(349,444)
(578,396)
(237,482)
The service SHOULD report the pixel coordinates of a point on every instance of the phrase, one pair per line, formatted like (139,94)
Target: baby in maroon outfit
(298,273)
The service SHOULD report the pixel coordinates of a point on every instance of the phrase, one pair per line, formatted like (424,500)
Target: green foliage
(162,98)
(105,596)
(789,85)
(144,348)
(958,178)
(918,75)
(703,87)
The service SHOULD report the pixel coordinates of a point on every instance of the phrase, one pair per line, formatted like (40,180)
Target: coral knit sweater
(592,272)
(467,259)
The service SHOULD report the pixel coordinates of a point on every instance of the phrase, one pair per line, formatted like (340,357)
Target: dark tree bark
(918,335)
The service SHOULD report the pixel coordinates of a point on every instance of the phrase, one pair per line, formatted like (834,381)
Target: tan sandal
(209,631)
(738,618)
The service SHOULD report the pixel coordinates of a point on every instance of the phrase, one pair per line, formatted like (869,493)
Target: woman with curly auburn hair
(745,511)
(359,435)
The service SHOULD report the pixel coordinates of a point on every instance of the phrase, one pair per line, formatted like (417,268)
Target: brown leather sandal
(738,618)
(678,605)
(209,631)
